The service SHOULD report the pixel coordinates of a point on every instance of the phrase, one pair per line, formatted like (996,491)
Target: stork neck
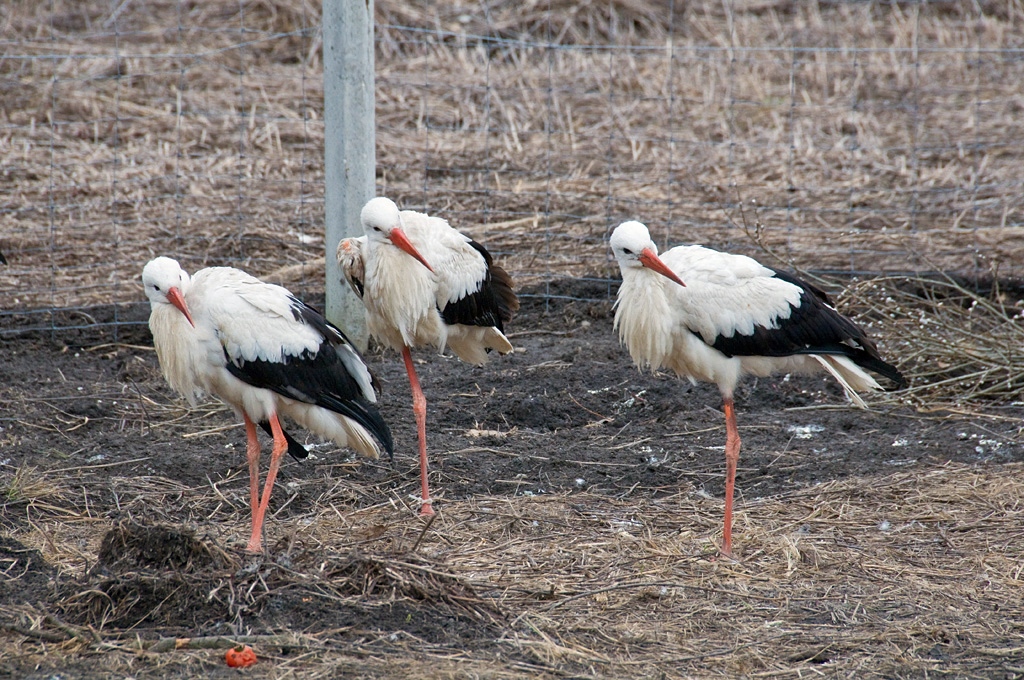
(654,286)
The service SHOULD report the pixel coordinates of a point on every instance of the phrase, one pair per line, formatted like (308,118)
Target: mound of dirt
(168,578)
(132,546)
(151,575)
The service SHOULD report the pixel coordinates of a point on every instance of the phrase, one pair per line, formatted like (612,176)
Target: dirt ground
(579,511)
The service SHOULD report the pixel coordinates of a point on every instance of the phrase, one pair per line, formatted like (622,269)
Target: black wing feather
(319,378)
(357,283)
(813,327)
(492,304)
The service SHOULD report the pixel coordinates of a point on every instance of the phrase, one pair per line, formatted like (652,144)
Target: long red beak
(650,259)
(175,297)
(401,241)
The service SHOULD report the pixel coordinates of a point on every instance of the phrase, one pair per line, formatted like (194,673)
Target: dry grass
(887,142)
(963,348)
(897,576)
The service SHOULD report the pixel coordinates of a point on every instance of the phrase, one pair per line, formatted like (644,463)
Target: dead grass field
(872,137)
(580,499)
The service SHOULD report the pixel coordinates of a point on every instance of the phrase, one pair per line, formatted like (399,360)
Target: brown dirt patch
(580,503)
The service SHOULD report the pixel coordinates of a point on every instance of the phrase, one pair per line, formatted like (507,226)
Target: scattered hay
(139,142)
(908,572)
(390,576)
(161,576)
(26,486)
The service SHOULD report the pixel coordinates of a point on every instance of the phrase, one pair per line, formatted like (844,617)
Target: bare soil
(125,514)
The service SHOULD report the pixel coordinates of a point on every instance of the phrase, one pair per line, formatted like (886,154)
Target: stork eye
(156,287)
(627,251)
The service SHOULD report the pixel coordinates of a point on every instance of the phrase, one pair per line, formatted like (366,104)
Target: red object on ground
(241,656)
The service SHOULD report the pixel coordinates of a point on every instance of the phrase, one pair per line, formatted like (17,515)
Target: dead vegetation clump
(161,576)
(963,348)
(133,546)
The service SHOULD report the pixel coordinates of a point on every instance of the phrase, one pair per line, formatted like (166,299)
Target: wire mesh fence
(861,137)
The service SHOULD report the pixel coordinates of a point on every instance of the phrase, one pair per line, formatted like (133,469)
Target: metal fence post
(349,151)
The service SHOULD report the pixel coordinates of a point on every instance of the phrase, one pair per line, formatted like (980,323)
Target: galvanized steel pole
(349,152)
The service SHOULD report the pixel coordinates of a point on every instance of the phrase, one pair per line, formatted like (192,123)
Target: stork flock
(705,315)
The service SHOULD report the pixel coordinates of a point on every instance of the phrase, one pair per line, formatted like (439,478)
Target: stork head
(382,222)
(166,283)
(633,248)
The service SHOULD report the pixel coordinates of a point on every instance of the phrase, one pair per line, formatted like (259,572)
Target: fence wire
(852,137)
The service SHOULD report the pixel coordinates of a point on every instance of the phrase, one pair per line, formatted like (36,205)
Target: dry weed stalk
(961,348)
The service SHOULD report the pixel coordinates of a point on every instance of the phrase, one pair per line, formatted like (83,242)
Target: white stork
(425,283)
(265,354)
(716,317)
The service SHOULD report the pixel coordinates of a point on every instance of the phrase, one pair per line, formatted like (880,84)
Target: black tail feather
(864,359)
(508,302)
(297,450)
(366,414)
(321,379)
(883,369)
(493,304)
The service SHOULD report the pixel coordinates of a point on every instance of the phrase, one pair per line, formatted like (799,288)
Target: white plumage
(425,283)
(403,299)
(264,353)
(715,317)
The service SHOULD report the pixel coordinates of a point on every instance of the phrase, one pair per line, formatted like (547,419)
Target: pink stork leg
(280,446)
(252,453)
(732,457)
(419,408)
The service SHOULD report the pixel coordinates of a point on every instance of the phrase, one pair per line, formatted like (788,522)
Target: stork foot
(427,510)
(255,546)
(723,554)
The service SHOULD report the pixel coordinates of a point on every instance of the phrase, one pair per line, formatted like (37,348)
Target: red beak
(402,242)
(650,259)
(175,297)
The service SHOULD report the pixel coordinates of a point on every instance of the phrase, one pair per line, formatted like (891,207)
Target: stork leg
(252,454)
(732,457)
(280,446)
(419,408)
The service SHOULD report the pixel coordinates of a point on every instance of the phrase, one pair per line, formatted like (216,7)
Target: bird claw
(722,555)
(252,564)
